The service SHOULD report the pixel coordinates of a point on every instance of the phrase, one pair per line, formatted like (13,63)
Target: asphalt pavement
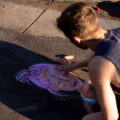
(28,35)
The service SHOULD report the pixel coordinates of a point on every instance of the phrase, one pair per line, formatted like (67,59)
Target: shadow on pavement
(31,101)
(113,8)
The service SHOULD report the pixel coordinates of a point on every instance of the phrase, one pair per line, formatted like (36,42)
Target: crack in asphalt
(27,27)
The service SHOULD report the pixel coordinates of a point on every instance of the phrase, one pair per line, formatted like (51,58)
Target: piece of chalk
(97,8)
(69,57)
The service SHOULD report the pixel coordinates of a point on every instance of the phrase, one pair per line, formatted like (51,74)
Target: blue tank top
(110,48)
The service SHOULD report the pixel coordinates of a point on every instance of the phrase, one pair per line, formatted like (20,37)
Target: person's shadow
(113,8)
(31,101)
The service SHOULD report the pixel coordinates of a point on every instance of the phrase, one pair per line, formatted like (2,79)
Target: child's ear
(77,39)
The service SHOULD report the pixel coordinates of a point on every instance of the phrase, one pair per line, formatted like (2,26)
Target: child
(80,24)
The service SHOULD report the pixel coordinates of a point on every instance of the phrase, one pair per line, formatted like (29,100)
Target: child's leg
(93,116)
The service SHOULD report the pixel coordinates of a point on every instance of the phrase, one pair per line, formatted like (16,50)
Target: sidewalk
(40,20)
(29,35)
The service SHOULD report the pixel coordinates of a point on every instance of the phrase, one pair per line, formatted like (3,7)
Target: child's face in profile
(59,80)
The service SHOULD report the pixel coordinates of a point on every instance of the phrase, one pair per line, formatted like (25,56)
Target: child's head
(78,20)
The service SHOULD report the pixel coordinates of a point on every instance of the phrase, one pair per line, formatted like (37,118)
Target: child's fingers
(62,60)
(59,61)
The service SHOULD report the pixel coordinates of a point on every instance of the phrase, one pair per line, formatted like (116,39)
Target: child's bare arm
(101,73)
(69,66)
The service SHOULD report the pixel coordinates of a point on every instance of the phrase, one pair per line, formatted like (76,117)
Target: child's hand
(66,63)
(68,67)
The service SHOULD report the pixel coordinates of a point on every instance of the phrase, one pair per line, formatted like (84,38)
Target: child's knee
(93,116)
